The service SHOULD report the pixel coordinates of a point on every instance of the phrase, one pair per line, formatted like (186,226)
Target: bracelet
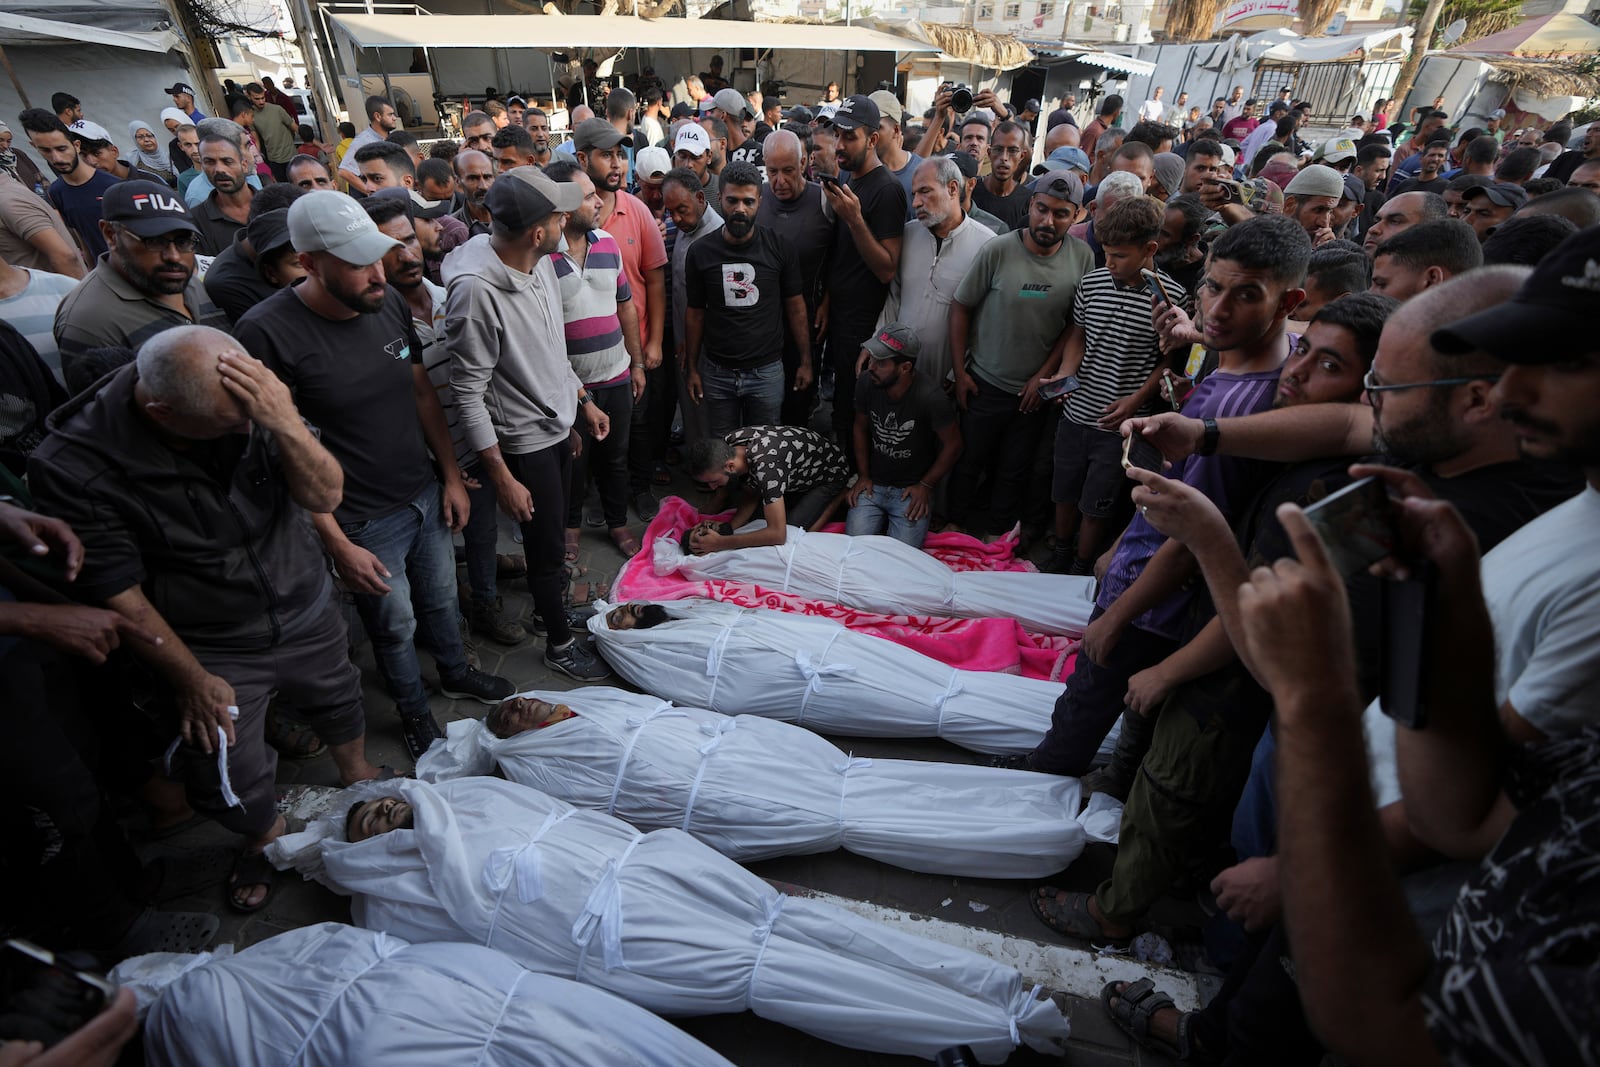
(925,485)
(637,366)
(1208,440)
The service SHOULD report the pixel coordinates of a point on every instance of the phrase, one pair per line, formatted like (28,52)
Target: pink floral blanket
(969,644)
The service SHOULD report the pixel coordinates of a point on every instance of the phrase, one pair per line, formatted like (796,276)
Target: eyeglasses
(182,240)
(1371,384)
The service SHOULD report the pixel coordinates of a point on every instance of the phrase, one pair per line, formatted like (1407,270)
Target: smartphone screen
(1137,452)
(1059,387)
(1152,282)
(36,983)
(1356,524)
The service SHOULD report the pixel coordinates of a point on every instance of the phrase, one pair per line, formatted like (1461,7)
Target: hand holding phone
(1059,387)
(1137,452)
(1152,282)
(1357,525)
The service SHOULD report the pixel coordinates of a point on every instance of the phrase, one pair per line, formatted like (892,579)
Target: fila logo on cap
(158,201)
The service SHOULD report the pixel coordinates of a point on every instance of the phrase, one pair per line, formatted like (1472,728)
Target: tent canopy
(25,29)
(1089,55)
(1286,46)
(563,32)
(1558,34)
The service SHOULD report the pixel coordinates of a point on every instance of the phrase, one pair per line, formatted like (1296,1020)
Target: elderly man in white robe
(753,788)
(657,918)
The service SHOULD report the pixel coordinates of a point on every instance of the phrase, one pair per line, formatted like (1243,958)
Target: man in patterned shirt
(796,476)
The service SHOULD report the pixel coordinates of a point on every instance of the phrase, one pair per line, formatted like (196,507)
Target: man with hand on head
(517,394)
(188,475)
(343,341)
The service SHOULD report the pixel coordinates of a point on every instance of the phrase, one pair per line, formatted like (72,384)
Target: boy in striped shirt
(1116,355)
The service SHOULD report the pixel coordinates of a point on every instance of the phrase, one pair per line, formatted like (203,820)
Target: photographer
(948,107)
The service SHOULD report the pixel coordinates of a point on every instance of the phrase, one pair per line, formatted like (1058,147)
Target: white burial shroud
(882,575)
(752,788)
(661,920)
(335,996)
(817,673)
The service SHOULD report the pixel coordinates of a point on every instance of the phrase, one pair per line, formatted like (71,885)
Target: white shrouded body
(661,920)
(752,787)
(332,995)
(819,674)
(883,575)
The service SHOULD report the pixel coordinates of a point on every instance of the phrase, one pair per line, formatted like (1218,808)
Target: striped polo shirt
(589,299)
(33,312)
(1120,347)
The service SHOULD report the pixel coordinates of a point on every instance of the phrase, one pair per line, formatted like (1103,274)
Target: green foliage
(1483,17)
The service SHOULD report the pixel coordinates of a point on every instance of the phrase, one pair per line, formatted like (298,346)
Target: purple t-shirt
(1227,480)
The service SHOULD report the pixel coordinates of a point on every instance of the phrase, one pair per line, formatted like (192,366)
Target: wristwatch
(1208,440)
(585,398)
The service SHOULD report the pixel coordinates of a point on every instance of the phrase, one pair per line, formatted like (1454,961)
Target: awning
(1293,48)
(25,29)
(1090,56)
(566,32)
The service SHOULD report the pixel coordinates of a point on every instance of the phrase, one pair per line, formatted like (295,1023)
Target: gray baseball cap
(326,221)
(894,341)
(732,102)
(523,197)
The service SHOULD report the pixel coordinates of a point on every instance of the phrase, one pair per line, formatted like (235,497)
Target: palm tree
(1193,20)
(1316,14)
(1483,16)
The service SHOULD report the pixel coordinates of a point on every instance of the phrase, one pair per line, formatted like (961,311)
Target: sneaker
(490,620)
(419,732)
(646,505)
(577,621)
(578,660)
(473,684)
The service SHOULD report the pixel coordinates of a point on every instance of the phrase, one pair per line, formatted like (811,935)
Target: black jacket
(235,566)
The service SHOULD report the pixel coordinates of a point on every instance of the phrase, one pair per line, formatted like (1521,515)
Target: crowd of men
(245,365)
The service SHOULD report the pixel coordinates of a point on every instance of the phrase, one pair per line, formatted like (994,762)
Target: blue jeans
(751,396)
(883,511)
(413,544)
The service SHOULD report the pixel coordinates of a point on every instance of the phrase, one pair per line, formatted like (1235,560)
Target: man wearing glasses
(1002,193)
(144,284)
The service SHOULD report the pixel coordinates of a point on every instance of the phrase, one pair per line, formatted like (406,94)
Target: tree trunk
(1421,38)
(1193,20)
(1316,14)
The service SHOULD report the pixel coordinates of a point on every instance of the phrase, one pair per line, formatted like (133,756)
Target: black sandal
(1135,1008)
(1070,916)
(250,870)
(293,740)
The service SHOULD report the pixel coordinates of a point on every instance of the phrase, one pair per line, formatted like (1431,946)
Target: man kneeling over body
(779,468)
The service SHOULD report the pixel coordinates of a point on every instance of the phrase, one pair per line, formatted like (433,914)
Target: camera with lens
(960,97)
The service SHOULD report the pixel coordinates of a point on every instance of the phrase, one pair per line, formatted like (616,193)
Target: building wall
(115,86)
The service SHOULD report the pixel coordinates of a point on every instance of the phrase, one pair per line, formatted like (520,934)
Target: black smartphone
(44,996)
(1404,657)
(1152,282)
(1058,388)
(1137,452)
(1356,524)
(829,179)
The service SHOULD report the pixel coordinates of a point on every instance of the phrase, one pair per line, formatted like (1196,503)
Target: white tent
(815,672)
(331,995)
(883,575)
(661,920)
(753,788)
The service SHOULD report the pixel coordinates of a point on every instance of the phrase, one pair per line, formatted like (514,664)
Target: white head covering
(174,113)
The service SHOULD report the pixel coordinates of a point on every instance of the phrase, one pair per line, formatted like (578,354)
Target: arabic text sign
(1240,10)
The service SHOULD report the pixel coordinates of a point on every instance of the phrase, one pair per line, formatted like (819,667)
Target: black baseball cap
(1547,319)
(417,205)
(268,231)
(147,209)
(179,87)
(523,197)
(1504,194)
(856,113)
